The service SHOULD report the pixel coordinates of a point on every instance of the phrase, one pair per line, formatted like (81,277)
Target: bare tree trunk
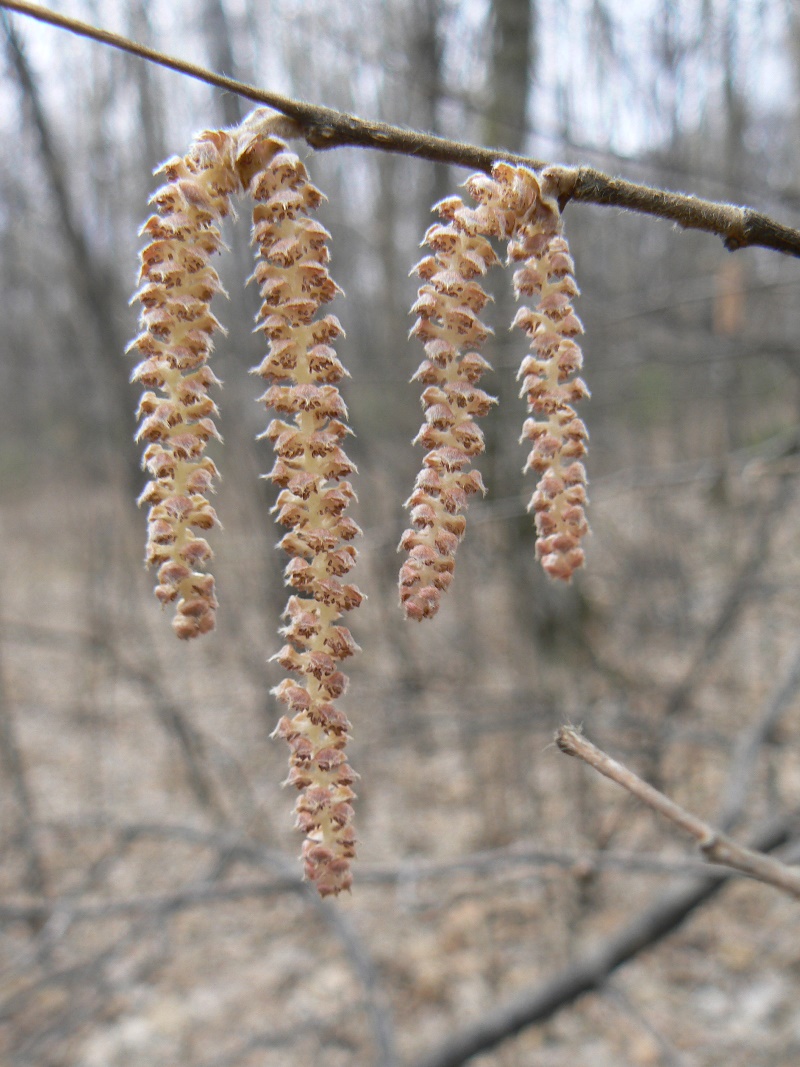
(510,72)
(149,112)
(221,52)
(513,63)
(94,282)
(426,53)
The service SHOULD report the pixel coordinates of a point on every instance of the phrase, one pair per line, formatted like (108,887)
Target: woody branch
(716,846)
(324,127)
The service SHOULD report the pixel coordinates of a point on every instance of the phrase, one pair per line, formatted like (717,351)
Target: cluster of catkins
(302,372)
(520,208)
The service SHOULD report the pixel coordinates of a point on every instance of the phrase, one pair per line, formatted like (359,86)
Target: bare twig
(587,973)
(737,597)
(65,911)
(409,872)
(716,846)
(375,1008)
(190,896)
(192,743)
(75,996)
(232,848)
(750,742)
(94,283)
(91,279)
(670,1055)
(150,908)
(12,763)
(324,127)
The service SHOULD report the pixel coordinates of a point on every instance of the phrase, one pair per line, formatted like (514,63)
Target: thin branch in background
(228,844)
(324,127)
(591,970)
(361,963)
(588,973)
(62,913)
(12,762)
(86,274)
(89,981)
(237,849)
(375,1008)
(83,905)
(670,1056)
(192,744)
(197,895)
(737,597)
(716,846)
(750,741)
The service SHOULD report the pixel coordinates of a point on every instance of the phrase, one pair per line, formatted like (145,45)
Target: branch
(716,846)
(406,873)
(71,910)
(736,599)
(751,740)
(590,971)
(324,127)
(13,764)
(198,895)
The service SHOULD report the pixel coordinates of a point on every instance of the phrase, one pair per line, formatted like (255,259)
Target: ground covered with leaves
(151,905)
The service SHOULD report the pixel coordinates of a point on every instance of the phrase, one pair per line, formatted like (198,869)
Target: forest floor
(150,908)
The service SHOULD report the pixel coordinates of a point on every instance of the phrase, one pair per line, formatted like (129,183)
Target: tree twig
(738,596)
(750,742)
(324,127)
(670,1055)
(716,846)
(489,862)
(12,762)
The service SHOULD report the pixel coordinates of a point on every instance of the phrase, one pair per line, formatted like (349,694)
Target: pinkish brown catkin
(528,210)
(557,434)
(311,470)
(177,284)
(448,305)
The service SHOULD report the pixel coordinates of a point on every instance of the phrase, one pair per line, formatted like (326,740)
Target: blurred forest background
(151,908)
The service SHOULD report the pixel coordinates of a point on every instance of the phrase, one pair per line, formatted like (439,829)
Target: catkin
(311,471)
(528,216)
(175,342)
(448,305)
(557,434)
(302,372)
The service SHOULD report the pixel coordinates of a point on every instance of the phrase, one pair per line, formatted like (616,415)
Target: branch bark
(716,846)
(324,127)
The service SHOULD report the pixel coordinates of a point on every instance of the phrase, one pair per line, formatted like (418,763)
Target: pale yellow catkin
(178,283)
(448,305)
(311,470)
(550,384)
(302,371)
